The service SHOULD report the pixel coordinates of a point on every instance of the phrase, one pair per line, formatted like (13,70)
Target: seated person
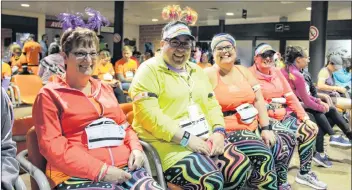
(326,83)
(17,59)
(126,68)
(105,72)
(6,73)
(82,132)
(343,77)
(169,95)
(9,164)
(204,63)
(239,95)
(53,64)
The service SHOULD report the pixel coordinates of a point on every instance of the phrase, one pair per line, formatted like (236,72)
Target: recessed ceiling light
(25,5)
(155,20)
(309,8)
(229,14)
(287,2)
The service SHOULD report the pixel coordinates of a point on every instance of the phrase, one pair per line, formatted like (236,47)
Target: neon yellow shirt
(156,120)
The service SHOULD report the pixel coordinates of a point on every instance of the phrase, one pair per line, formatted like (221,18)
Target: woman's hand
(116,175)
(326,106)
(341,89)
(136,160)
(268,137)
(312,125)
(198,145)
(218,143)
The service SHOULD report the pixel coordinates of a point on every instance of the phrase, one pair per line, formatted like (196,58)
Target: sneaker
(338,140)
(322,159)
(285,186)
(311,180)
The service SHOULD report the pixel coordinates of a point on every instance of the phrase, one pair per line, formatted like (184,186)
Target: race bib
(198,127)
(107,77)
(278,100)
(129,74)
(247,113)
(104,132)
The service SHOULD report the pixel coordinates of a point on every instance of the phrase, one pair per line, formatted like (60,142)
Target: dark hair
(43,36)
(54,49)
(57,36)
(291,53)
(170,24)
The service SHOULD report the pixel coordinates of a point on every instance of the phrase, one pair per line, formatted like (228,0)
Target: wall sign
(117,38)
(53,24)
(313,33)
(279,27)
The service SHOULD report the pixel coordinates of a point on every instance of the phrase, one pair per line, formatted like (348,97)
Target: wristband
(220,130)
(185,139)
(268,127)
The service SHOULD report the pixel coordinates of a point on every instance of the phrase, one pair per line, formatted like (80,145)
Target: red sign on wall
(53,24)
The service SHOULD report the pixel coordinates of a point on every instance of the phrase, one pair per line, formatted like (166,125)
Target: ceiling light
(309,8)
(287,2)
(25,5)
(155,20)
(229,14)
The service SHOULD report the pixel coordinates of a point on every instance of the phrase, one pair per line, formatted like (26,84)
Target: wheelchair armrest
(36,173)
(19,184)
(155,157)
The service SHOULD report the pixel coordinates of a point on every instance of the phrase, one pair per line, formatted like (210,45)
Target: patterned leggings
(140,180)
(306,140)
(270,164)
(196,171)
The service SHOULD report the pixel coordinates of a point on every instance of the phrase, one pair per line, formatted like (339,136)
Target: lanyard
(190,86)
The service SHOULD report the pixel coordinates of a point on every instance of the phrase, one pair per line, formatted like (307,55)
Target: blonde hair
(127,48)
(74,37)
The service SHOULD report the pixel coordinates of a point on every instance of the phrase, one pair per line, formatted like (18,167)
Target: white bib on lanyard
(247,113)
(198,127)
(129,74)
(104,132)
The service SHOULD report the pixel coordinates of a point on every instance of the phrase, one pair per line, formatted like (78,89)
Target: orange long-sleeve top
(275,85)
(60,116)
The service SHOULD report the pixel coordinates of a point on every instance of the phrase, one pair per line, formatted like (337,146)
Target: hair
(54,49)
(73,37)
(150,52)
(31,36)
(170,24)
(291,53)
(57,36)
(43,36)
(105,52)
(158,50)
(127,48)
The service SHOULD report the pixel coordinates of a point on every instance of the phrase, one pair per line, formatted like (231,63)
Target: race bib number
(104,132)
(129,74)
(198,127)
(247,113)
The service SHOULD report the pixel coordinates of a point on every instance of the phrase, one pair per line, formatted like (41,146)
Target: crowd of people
(214,126)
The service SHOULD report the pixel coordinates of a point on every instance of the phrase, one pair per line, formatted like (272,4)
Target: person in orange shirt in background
(204,61)
(32,50)
(105,70)
(5,75)
(126,68)
(17,59)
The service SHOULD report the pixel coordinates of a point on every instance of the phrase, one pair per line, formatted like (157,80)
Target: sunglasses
(267,54)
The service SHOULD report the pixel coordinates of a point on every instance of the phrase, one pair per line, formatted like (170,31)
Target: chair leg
(149,149)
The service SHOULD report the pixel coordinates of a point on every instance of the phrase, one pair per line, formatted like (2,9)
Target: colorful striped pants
(270,165)
(140,180)
(306,140)
(197,171)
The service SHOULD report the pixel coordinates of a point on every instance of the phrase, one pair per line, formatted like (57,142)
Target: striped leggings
(270,165)
(305,137)
(196,171)
(140,180)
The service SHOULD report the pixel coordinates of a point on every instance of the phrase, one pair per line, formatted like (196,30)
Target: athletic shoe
(322,159)
(311,180)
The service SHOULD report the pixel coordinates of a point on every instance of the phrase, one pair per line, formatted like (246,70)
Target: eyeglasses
(178,44)
(83,55)
(267,54)
(226,48)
